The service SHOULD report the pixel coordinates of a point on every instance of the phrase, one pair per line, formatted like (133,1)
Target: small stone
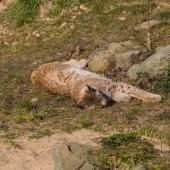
(121,18)
(34,63)
(14,43)
(48,19)
(72,27)
(63,25)
(11,34)
(74,17)
(37,35)
(152,23)
(34,100)
(83,7)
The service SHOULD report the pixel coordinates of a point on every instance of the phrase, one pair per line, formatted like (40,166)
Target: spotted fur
(70,78)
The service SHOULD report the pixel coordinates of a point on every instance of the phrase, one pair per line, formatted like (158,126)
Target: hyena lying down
(70,78)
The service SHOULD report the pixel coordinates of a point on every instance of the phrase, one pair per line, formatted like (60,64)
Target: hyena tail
(143,95)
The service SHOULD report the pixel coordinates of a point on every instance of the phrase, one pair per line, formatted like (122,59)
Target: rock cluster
(124,54)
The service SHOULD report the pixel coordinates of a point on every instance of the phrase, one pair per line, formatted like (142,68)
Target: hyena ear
(90,89)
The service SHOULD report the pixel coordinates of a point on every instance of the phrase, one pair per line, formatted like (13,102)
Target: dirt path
(36,153)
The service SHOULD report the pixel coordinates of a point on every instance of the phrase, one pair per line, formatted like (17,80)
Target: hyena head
(98,96)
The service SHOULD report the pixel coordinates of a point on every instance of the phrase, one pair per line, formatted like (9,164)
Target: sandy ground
(4,4)
(36,153)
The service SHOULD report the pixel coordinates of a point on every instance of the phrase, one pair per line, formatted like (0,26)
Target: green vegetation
(23,11)
(23,116)
(153,133)
(87,122)
(124,151)
(163,85)
(40,133)
(25,104)
(60,5)
(163,15)
(119,139)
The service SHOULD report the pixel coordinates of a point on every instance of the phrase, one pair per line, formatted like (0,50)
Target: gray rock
(154,65)
(117,48)
(133,71)
(72,156)
(105,58)
(152,23)
(125,59)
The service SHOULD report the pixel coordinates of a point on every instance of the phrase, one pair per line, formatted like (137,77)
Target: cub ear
(90,89)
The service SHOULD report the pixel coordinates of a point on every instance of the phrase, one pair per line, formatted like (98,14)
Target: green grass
(119,139)
(163,85)
(133,113)
(60,5)
(24,104)
(23,116)
(86,122)
(153,133)
(46,112)
(41,133)
(163,15)
(23,11)
(125,151)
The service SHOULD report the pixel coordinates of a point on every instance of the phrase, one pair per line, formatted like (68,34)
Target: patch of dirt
(36,154)
(157,144)
(4,4)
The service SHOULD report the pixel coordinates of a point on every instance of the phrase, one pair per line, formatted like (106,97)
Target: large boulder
(72,156)
(154,65)
(114,54)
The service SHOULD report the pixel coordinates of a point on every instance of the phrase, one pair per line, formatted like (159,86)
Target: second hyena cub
(69,78)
